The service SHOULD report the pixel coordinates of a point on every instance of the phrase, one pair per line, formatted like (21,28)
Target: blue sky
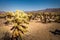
(28,5)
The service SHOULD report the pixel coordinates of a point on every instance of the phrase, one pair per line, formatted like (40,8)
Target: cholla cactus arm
(12,28)
(18,18)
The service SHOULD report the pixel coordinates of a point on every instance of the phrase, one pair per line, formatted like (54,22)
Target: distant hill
(51,10)
(46,10)
(1,12)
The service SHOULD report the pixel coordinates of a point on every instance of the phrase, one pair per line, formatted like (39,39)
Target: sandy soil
(36,31)
(40,31)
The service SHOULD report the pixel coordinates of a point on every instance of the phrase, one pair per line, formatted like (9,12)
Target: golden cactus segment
(18,18)
(10,13)
(15,33)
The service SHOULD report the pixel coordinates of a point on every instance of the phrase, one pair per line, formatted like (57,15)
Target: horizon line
(28,10)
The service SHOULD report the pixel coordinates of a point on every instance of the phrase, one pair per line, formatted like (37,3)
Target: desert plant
(19,21)
(30,16)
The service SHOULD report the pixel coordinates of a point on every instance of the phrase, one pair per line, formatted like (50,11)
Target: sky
(28,5)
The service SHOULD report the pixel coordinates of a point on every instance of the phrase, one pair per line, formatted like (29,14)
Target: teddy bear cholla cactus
(19,20)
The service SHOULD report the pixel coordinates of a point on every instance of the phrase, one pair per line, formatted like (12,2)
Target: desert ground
(36,30)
